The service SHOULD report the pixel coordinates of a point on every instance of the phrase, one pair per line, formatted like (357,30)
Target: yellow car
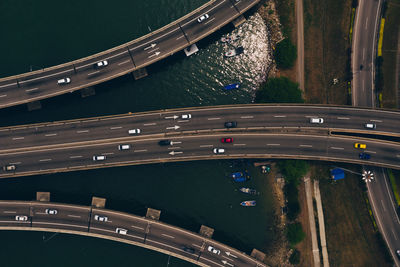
(359,145)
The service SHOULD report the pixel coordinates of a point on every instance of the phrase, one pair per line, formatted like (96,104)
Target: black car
(164,142)
(188,249)
(230,124)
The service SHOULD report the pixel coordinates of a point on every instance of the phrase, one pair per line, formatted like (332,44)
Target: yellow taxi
(359,145)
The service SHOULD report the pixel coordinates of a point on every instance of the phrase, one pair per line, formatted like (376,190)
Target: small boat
(248,203)
(234,52)
(248,191)
(240,176)
(229,39)
(232,86)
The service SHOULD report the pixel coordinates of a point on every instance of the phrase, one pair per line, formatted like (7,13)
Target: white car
(21,218)
(101,218)
(121,231)
(64,81)
(51,211)
(317,120)
(124,147)
(186,116)
(214,250)
(101,64)
(97,158)
(134,131)
(202,18)
(370,126)
(219,151)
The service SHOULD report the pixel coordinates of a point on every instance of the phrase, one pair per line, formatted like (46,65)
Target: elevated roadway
(126,58)
(263,131)
(143,232)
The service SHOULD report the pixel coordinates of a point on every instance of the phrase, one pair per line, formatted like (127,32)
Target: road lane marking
(15,163)
(247,117)
(108,153)
(48,135)
(124,62)
(174,147)
(394,234)
(212,119)
(33,89)
(184,121)
(95,72)
(83,131)
(383,205)
(10,84)
(149,124)
(227,258)
(137,227)
(3,96)
(280,116)
(376,120)
(142,150)
(366,25)
(119,236)
(273,144)
(18,138)
(305,145)
(239,144)
(153,50)
(46,76)
(337,148)
(180,37)
(169,236)
(44,160)
(75,157)
(61,224)
(372,152)
(196,245)
(343,118)
(115,128)
(73,216)
(206,145)
(208,21)
(9,211)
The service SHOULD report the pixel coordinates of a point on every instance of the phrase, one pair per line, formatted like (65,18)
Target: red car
(227,140)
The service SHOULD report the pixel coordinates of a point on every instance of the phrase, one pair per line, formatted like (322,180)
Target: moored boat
(248,191)
(232,86)
(240,176)
(248,203)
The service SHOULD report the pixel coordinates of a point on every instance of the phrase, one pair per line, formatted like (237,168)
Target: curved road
(158,236)
(176,36)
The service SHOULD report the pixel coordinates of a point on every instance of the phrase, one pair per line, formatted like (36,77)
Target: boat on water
(240,176)
(229,39)
(234,52)
(232,86)
(248,203)
(248,191)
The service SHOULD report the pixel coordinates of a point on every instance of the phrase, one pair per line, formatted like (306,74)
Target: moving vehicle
(202,18)
(186,116)
(51,211)
(234,52)
(364,156)
(188,249)
(232,86)
(121,231)
(214,250)
(240,176)
(370,126)
(134,131)
(227,140)
(64,81)
(164,142)
(21,218)
(99,158)
(9,168)
(124,147)
(317,120)
(248,203)
(101,64)
(248,191)
(219,151)
(100,218)
(230,124)
(359,145)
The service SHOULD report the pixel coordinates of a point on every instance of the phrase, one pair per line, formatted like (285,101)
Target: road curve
(139,53)
(140,231)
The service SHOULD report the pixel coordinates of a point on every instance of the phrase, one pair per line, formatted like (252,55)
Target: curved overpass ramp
(150,234)
(126,58)
(263,131)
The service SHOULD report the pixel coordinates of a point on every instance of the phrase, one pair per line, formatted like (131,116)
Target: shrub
(279,90)
(295,233)
(285,54)
(295,257)
(293,170)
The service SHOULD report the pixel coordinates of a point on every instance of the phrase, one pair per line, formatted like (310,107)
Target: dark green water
(44,33)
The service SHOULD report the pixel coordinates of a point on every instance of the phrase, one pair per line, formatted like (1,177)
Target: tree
(295,233)
(279,90)
(285,54)
(295,257)
(293,170)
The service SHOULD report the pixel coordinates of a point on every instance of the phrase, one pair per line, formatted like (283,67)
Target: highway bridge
(126,58)
(134,230)
(263,131)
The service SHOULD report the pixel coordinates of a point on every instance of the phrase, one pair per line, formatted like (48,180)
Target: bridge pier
(35,105)
(88,91)
(98,202)
(258,255)
(153,214)
(206,231)
(43,196)
(140,73)
(238,21)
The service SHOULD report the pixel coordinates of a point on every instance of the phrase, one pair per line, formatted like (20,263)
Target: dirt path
(300,43)
(315,249)
(321,223)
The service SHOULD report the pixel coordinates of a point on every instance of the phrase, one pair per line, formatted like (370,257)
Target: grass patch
(279,90)
(350,233)
(389,50)
(285,9)
(395,185)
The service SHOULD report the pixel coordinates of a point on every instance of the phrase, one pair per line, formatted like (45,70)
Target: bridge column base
(89,91)
(35,105)
(257,254)
(153,214)
(206,231)
(43,196)
(98,202)
(140,73)
(238,21)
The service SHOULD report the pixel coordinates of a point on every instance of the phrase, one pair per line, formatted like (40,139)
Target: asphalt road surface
(122,227)
(176,36)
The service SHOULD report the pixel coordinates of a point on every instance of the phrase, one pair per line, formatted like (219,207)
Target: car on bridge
(230,124)
(364,156)
(64,81)
(370,126)
(186,116)
(134,131)
(100,218)
(9,168)
(214,250)
(124,147)
(218,151)
(360,146)
(121,231)
(202,18)
(164,142)
(100,64)
(21,218)
(51,211)
(188,249)
(227,140)
(99,158)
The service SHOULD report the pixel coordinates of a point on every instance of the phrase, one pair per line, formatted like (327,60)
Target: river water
(38,34)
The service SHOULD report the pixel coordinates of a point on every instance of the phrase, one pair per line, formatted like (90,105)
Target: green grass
(395,185)
(285,9)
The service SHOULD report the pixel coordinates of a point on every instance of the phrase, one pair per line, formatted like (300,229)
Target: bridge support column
(35,105)
(98,202)
(89,91)
(206,231)
(43,196)
(238,21)
(153,214)
(140,73)
(257,255)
